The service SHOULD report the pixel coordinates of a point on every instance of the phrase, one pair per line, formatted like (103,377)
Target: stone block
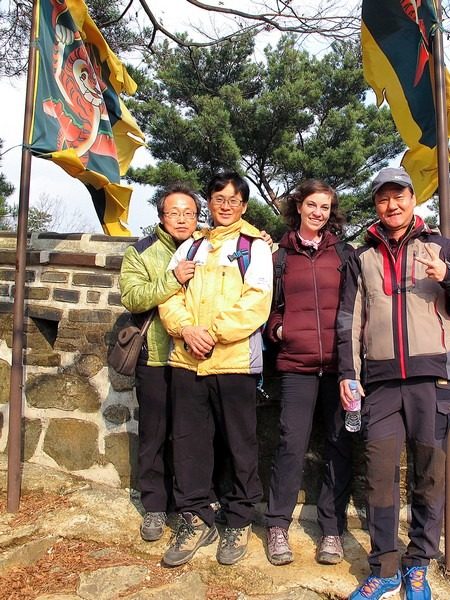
(6,324)
(120,383)
(42,359)
(66,295)
(6,307)
(110,582)
(74,259)
(63,391)
(90,316)
(31,429)
(114,299)
(114,262)
(10,275)
(26,554)
(72,443)
(121,450)
(44,312)
(88,365)
(7,257)
(55,276)
(67,345)
(92,280)
(68,331)
(37,341)
(93,297)
(5,372)
(33,293)
(52,235)
(117,414)
(96,337)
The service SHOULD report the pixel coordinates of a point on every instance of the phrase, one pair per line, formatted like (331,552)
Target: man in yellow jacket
(215,322)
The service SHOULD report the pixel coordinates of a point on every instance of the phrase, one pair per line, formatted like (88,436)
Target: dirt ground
(58,571)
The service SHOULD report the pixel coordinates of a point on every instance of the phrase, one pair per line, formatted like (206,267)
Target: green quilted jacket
(145,282)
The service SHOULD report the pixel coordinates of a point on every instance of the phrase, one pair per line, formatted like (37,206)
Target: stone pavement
(118,564)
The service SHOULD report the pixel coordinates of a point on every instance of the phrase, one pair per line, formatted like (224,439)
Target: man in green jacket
(145,283)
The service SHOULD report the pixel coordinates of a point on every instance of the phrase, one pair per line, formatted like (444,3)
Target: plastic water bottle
(353,413)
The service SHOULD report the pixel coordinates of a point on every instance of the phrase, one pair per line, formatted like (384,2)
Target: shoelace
(371,585)
(184,532)
(416,576)
(332,542)
(231,535)
(279,536)
(158,519)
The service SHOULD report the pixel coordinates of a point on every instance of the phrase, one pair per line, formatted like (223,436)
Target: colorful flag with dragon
(79,121)
(396,43)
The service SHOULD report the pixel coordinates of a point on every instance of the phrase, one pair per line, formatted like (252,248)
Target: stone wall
(80,416)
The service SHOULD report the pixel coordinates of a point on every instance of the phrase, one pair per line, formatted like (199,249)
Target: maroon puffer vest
(311,286)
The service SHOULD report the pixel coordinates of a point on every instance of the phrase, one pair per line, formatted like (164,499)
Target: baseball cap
(391,175)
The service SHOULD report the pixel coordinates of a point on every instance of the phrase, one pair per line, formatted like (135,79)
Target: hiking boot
(153,525)
(233,545)
(416,584)
(329,550)
(192,533)
(377,588)
(278,550)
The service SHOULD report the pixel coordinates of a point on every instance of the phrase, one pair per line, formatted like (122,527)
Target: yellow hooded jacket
(232,310)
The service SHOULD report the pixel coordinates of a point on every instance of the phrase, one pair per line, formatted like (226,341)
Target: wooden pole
(444,210)
(16,379)
(442,128)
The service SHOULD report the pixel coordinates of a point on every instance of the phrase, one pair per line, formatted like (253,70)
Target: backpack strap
(242,254)
(193,249)
(279,268)
(343,250)
(145,242)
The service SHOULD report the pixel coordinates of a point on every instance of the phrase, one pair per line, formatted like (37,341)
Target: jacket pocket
(442,408)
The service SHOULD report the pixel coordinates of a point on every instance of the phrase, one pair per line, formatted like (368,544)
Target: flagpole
(444,207)
(442,127)
(16,378)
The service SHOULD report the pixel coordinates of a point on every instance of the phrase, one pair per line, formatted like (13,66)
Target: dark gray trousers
(300,393)
(154,471)
(415,409)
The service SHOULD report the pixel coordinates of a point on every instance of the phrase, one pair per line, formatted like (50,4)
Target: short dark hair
(177,188)
(301,192)
(221,180)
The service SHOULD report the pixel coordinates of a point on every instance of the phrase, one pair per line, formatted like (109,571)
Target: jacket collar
(378,233)
(165,238)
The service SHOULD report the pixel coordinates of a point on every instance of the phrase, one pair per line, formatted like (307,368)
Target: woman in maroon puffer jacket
(304,326)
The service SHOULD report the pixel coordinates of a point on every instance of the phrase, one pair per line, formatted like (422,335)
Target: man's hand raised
(436,267)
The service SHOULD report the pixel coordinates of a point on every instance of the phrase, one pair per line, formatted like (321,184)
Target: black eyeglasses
(174,215)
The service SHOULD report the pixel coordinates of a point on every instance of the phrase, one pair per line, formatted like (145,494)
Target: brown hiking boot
(278,550)
(330,550)
(233,545)
(192,533)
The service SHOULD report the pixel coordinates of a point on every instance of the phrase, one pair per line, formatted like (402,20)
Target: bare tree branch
(332,19)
